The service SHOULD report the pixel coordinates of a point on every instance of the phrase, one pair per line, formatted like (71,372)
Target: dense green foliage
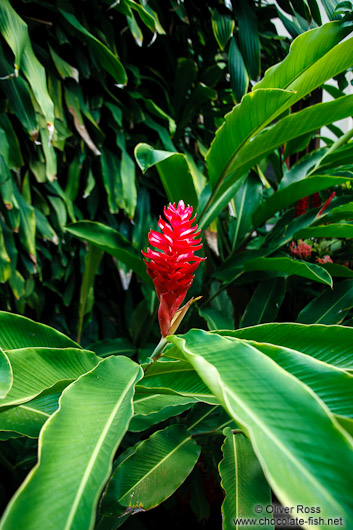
(108,111)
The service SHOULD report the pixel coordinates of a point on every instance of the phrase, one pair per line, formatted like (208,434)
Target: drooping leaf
(331,230)
(242,480)
(174,171)
(28,419)
(166,459)
(330,307)
(110,241)
(290,266)
(17,331)
(38,369)
(104,56)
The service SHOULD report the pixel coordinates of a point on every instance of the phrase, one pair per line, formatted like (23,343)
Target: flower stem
(159,349)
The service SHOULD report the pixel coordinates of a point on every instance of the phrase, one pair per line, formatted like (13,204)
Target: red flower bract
(171,267)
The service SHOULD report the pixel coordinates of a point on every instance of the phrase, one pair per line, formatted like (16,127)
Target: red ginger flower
(172,266)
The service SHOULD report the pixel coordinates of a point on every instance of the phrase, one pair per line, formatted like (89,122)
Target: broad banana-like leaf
(292,432)
(38,369)
(17,331)
(65,484)
(329,344)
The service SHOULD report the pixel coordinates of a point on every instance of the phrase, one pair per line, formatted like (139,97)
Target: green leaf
(37,369)
(175,377)
(265,302)
(317,43)
(216,319)
(289,266)
(307,120)
(222,26)
(246,119)
(110,241)
(337,230)
(63,67)
(166,459)
(242,480)
(66,483)
(154,408)
(103,55)
(6,377)
(292,193)
(92,261)
(112,180)
(329,344)
(174,172)
(249,41)
(28,419)
(14,30)
(239,79)
(330,307)
(294,445)
(18,94)
(128,178)
(332,385)
(246,201)
(117,346)
(17,331)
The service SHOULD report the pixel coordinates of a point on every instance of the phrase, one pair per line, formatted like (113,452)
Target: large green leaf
(104,56)
(292,432)
(329,344)
(307,120)
(333,385)
(243,122)
(6,377)
(290,266)
(338,230)
(242,480)
(174,171)
(153,472)
(37,369)
(28,419)
(111,241)
(17,331)
(317,43)
(71,471)
(330,307)
(175,377)
(292,193)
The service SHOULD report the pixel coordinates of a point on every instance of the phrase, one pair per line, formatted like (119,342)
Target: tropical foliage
(107,114)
